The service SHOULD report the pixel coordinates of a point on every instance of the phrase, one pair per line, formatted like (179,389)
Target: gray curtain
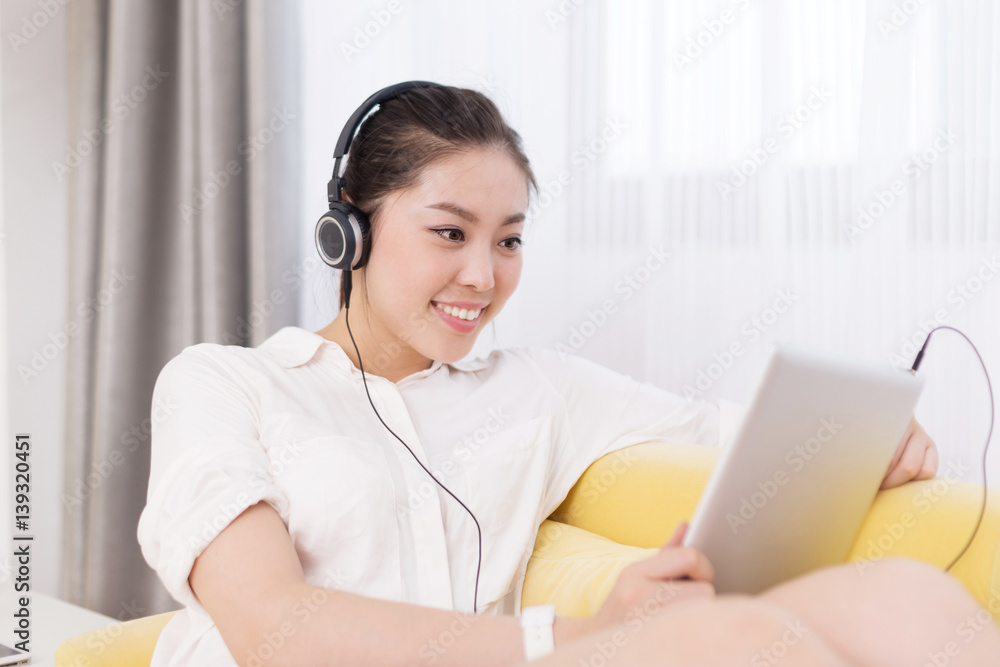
(184,115)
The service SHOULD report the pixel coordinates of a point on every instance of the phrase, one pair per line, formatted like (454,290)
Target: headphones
(341,235)
(343,231)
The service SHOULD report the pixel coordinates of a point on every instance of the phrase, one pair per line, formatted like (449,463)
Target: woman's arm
(250,581)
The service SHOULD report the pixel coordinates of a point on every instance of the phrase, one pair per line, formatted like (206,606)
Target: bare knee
(735,629)
(900,584)
(959,611)
(895,611)
(907,579)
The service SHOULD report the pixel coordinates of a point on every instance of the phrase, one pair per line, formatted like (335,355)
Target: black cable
(913,369)
(347,319)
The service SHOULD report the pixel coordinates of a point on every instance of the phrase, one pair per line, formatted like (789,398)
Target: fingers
(915,457)
(678,537)
(676,540)
(930,467)
(898,475)
(676,562)
(913,460)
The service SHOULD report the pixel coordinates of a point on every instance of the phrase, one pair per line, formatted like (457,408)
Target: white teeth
(461,313)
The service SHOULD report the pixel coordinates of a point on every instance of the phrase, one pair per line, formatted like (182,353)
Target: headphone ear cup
(341,235)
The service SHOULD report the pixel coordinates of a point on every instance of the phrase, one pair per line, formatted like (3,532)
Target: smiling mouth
(464,314)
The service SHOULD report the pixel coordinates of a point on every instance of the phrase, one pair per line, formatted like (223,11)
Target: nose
(477,269)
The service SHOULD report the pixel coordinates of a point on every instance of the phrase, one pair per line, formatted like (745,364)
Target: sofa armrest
(637,496)
(125,644)
(932,520)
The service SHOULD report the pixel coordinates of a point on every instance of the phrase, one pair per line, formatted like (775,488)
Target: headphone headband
(336,183)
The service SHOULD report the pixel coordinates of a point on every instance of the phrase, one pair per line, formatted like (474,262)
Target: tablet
(12,656)
(796,479)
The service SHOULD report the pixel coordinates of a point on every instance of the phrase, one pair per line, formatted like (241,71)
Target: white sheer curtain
(930,128)
(819,172)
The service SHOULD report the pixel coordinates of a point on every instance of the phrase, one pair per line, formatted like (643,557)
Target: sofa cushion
(574,569)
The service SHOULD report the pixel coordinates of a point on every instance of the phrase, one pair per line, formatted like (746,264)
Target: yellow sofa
(627,504)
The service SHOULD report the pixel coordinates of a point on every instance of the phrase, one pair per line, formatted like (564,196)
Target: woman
(297,527)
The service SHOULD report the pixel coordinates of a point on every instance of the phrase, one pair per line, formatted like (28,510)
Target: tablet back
(794,483)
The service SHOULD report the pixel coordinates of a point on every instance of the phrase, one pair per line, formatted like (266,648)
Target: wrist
(567,630)
(538,628)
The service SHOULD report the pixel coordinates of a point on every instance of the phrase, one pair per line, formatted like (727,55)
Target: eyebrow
(470,216)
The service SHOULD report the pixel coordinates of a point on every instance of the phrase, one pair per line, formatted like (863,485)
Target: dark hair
(412,131)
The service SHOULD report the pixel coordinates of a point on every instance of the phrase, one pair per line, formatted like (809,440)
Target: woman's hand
(676,574)
(916,457)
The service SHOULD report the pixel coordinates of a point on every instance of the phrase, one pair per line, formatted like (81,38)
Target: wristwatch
(537,624)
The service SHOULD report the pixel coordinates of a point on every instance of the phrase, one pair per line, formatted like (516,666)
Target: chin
(447,354)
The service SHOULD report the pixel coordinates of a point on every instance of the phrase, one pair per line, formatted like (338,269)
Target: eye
(456,235)
(450,230)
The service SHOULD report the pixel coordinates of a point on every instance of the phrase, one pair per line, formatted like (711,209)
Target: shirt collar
(293,346)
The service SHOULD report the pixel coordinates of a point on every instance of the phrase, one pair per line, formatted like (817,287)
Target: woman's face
(449,243)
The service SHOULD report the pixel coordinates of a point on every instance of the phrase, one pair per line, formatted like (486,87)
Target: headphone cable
(989,434)
(479,532)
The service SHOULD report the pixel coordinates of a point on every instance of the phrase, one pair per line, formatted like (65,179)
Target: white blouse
(289,423)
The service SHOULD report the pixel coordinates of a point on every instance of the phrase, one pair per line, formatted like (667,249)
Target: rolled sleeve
(207,464)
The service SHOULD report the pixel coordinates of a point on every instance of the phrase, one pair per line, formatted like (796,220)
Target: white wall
(33,126)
